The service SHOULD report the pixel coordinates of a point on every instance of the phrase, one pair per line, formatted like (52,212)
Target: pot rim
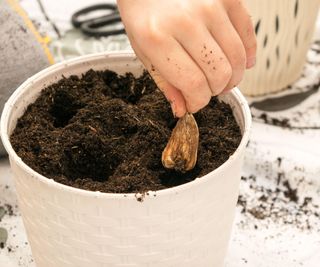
(97,194)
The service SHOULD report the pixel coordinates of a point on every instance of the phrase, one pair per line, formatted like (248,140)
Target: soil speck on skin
(104,132)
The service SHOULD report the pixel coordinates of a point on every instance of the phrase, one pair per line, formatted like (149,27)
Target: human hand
(193,49)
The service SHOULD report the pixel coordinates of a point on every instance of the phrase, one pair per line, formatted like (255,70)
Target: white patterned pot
(184,226)
(284,30)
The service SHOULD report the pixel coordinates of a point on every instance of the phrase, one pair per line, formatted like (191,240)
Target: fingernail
(226,91)
(173,108)
(251,62)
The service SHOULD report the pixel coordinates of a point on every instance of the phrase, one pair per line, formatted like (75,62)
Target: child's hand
(193,48)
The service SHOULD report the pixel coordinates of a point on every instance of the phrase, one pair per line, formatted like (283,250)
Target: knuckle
(238,58)
(196,91)
(195,82)
(222,78)
(184,21)
(226,3)
(139,26)
(206,8)
(151,35)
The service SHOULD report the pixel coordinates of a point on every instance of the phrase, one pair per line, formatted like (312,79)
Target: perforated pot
(284,31)
(184,226)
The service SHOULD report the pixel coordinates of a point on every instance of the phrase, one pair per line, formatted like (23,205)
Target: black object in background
(95,26)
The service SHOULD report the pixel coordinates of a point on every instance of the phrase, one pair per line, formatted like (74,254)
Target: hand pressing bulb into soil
(193,49)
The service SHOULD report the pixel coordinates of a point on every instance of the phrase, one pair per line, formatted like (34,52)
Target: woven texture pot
(284,31)
(184,226)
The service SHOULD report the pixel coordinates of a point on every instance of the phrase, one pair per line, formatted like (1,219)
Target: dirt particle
(9,209)
(279,161)
(2,212)
(3,237)
(280,177)
(258,213)
(92,129)
(282,122)
(290,192)
(266,204)
(23,29)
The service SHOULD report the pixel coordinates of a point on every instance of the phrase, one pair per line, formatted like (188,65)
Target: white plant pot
(184,226)
(284,33)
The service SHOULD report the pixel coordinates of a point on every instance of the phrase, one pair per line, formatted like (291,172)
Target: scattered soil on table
(5,210)
(282,122)
(280,203)
(104,132)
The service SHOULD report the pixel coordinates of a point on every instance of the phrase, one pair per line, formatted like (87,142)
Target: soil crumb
(106,132)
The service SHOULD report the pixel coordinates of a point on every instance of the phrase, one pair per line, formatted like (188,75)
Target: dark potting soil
(104,132)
